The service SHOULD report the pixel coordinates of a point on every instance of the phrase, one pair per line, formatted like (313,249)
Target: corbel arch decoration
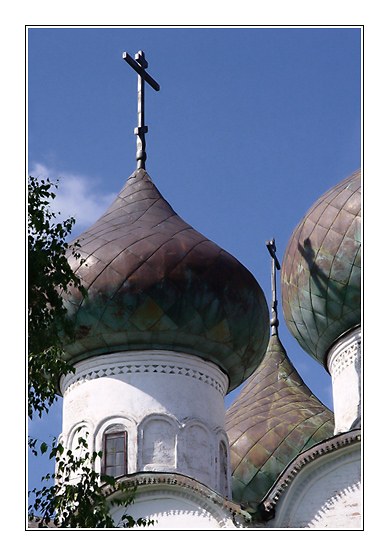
(223,468)
(198,451)
(116,438)
(75,440)
(157,441)
(222,463)
(84,430)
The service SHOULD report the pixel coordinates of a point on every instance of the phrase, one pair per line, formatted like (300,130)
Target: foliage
(76,494)
(49,276)
(78,497)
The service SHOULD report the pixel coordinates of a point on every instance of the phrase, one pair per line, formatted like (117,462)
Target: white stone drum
(169,405)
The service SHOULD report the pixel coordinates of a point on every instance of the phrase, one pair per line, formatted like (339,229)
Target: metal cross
(274,322)
(139,65)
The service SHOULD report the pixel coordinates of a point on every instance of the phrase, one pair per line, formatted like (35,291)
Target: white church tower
(171,323)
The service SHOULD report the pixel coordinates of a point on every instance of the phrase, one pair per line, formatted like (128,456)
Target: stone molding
(320,469)
(163,485)
(345,352)
(303,459)
(153,361)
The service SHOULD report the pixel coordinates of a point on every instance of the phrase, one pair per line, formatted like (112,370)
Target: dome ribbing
(321,270)
(273,419)
(154,282)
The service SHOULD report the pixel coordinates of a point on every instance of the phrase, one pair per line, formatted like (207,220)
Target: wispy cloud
(76,195)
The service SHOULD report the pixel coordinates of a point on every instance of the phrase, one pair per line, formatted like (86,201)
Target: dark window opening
(115,460)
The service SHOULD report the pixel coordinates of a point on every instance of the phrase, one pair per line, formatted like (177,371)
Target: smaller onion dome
(321,270)
(154,282)
(274,418)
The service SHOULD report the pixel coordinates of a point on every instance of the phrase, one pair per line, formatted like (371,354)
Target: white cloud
(76,196)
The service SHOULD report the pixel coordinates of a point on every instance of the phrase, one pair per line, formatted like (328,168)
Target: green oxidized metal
(156,283)
(274,418)
(321,270)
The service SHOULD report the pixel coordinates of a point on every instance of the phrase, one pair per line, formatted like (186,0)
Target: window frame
(114,432)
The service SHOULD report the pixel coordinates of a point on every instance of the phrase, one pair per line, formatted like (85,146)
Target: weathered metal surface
(274,418)
(156,283)
(321,270)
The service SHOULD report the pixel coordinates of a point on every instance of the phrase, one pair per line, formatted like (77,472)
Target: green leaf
(43,447)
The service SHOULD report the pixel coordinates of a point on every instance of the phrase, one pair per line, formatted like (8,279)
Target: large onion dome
(274,418)
(154,282)
(321,270)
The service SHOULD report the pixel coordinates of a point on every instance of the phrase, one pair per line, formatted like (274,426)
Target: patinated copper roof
(156,283)
(274,418)
(321,270)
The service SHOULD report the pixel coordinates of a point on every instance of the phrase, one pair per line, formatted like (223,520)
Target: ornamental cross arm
(271,245)
(139,65)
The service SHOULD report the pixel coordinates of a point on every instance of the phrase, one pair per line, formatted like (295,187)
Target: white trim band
(150,361)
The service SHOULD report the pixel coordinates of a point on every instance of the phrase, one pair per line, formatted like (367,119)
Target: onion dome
(321,270)
(274,418)
(154,282)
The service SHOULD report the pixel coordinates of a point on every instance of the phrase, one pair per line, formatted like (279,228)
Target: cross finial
(139,65)
(271,245)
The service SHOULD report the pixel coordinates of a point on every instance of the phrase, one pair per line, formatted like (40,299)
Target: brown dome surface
(154,282)
(273,419)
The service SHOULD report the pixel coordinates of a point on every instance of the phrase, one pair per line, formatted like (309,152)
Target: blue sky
(250,127)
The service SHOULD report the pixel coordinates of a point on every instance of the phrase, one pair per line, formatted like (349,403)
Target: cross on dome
(274,322)
(139,65)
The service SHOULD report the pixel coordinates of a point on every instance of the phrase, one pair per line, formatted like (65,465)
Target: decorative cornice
(181,482)
(134,362)
(344,341)
(321,449)
(345,352)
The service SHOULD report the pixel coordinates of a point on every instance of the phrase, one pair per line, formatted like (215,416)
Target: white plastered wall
(325,494)
(177,507)
(344,365)
(170,404)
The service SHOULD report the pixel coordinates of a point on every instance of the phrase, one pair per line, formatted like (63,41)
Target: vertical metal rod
(274,322)
(141,135)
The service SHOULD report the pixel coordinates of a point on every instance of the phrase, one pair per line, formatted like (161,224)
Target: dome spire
(139,65)
(271,245)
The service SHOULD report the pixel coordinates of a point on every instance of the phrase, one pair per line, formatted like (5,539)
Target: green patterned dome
(321,270)
(154,282)
(274,418)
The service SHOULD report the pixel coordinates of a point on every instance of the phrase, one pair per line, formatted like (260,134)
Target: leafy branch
(75,495)
(78,497)
(49,277)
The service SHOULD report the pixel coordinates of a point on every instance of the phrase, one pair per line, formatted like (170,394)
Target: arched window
(115,452)
(223,469)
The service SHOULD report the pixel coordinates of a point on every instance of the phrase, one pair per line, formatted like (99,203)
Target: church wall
(177,502)
(344,364)
(325,494)
(169,405)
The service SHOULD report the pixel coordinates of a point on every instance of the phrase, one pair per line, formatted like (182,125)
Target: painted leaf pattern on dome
(154,282)
(321,270)
(274,418)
